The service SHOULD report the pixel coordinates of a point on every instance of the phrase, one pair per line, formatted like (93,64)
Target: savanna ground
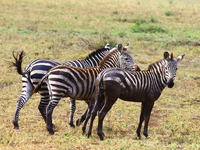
(65,30)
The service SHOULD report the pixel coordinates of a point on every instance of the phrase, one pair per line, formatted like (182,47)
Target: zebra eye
(126,58)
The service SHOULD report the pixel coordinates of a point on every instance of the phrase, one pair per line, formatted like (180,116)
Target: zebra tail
(100,88)
(38,86)
(18,61)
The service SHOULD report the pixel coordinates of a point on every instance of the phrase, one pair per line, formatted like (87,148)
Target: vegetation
(66,30)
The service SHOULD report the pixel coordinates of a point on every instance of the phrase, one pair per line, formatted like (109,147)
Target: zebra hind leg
(49,111)
(43,105)
(26,94)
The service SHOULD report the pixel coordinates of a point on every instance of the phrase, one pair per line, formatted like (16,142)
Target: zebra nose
(170,83)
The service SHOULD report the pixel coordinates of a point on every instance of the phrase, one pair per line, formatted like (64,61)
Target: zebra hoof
(72,125)
(78,122)
(17,128)
(101,136)
(51,132)
(88,134)
(16,125)
(83,130)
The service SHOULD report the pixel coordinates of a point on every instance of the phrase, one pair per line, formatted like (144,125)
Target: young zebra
(78,83)
(35,70)
(139,86)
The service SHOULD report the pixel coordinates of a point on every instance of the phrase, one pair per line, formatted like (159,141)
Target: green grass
(138,28)
(66,30)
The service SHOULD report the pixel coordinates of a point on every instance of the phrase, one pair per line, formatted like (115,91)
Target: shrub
(137,28)
(169,13)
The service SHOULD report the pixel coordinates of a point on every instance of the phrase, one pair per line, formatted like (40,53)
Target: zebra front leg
(141,121)
(80,121)
(147,113)
(72,111)
(90,107)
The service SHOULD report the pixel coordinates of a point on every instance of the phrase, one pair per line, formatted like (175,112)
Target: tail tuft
(18,61)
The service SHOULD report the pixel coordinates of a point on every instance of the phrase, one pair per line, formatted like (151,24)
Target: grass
(64,30)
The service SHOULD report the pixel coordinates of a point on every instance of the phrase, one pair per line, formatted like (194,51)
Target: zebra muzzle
(170,83)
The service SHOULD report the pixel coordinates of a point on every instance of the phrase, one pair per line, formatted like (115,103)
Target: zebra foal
(139,86)
(36,69)
(78,83)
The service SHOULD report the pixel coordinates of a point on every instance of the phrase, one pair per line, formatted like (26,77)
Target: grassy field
(65,30)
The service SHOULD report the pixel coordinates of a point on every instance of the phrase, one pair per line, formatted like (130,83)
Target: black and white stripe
(139,86)
(78,83)
(35,70)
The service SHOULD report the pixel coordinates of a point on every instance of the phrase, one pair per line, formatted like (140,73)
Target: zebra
(140,86)
(36,69)
(78,83)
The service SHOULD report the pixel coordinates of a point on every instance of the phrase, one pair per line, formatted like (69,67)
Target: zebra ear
(120,48)
(107,46)
(179,58)
(126,47)
(166,55)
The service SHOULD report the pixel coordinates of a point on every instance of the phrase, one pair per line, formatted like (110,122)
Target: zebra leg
(43,105)
(90,106)
(107,106)
(26,94)
(79,121)
(49,110)
(96,107)
(72,111)
(147,113)
(141,121)
(110,99)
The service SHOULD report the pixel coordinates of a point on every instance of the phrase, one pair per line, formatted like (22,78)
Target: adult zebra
(141,86)
(78,83)
(35,70)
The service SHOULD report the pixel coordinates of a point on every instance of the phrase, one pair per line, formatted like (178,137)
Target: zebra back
(138,85)
(117,58)
(35,70)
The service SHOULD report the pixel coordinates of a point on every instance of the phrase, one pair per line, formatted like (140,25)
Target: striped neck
(110,60)
(159,68)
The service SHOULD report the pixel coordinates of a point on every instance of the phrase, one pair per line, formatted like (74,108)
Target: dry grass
(53,30)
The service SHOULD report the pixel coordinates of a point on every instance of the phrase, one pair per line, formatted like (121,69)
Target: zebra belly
(132,98)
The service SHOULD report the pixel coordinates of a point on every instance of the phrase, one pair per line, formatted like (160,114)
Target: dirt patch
(156,117)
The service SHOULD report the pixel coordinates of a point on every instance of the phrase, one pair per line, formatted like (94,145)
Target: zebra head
(170,68)
(118,57)
(125,59)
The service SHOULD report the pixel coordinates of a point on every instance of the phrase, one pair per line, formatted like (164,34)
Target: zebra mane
(108,56)
(151,66)
(96,52)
